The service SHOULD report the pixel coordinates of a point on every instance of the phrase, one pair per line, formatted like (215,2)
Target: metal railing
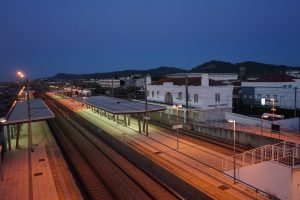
(286,153)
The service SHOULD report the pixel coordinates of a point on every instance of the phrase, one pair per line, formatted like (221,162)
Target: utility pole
(29,142)
(187,97)
(295,102)
(112,86)
(146,107)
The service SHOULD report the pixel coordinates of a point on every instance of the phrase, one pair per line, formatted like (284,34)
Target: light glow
(2,120)
(20,74)
(177,106)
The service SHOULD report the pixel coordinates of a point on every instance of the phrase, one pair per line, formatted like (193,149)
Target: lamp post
(146,117)
(2,121)
(266,115)
(261,128)
(273,109)
(234,122)
(177,106)
(20,74)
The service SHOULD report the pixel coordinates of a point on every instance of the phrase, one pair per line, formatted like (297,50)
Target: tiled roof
(275,78)
(194,81)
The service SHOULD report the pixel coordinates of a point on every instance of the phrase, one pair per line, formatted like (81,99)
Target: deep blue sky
(46,37)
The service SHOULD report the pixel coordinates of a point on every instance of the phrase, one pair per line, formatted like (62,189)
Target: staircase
(286,153)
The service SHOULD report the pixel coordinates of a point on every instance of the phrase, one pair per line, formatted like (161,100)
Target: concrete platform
(195,164)
(51,177)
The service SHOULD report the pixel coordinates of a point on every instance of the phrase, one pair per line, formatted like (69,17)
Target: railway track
(197,135)
(101,171)
(250,195)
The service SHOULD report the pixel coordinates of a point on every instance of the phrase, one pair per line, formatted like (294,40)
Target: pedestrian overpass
(274,169)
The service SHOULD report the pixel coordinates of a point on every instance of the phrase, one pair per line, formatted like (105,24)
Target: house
(208,95)
(294,73)
(280,87)
(106,83)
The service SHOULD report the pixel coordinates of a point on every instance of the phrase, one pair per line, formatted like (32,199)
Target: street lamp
(266,115)
(234,122)
(261,128)
(2,121)
(273,109)
(22,75)
(177,126)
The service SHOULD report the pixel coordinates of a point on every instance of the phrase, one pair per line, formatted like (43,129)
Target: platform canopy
(118,106)
(19,111)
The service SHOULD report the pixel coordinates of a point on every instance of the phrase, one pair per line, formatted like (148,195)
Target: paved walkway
(191,162)
(284,135)
(51,177)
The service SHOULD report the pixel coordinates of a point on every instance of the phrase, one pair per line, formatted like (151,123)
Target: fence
(286,153)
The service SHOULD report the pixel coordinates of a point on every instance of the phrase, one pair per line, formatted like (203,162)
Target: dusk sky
(43,38)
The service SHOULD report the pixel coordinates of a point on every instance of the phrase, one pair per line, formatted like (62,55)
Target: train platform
(283,135)
(200,166)
(51,177)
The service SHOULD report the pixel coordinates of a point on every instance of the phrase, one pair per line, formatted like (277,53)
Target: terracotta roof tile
(275,78)
(193,81)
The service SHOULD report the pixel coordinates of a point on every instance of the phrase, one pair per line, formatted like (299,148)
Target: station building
(280,87)
(209,95)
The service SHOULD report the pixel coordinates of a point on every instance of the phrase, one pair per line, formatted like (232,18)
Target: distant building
(84,92)
(295,73)
(137,81)
(106,83)
(208,94)
(280,87)
(109,83)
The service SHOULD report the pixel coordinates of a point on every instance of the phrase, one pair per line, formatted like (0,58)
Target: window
(180,96)
(284,86)
(152,94)
(245,96)
(147,93)
(258,96)
(217,97)
(290,86)
(157,94)
(196,98)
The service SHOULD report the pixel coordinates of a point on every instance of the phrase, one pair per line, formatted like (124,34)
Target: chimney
(148,79)
(204,80)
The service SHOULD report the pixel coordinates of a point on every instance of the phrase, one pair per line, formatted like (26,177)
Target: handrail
(284,152)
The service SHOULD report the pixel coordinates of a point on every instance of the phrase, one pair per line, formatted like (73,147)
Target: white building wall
(291,124)
(108,83)
(283,92)
(296,184)
(222,77)
(206,95)
(270,177)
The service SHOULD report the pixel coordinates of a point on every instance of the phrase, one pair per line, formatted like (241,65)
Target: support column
(144,123)
(139,123)
(125,122)
(18,136)
(8,136)
(185,116)
(128,119)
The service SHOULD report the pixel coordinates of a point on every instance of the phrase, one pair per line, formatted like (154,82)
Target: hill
(157,72)
(245,70)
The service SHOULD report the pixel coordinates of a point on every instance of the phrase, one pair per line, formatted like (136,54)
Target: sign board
(177,126)
(275,128)
(263,101)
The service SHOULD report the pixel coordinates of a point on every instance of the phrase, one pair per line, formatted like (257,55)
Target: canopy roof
(18,113)
(118,106)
